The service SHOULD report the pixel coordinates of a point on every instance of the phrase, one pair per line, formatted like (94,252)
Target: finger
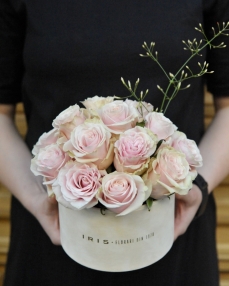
(183,217)
(52,200)
(55,237)
(179,228)
(52,229)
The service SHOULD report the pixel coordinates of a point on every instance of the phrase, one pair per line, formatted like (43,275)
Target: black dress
(54,54)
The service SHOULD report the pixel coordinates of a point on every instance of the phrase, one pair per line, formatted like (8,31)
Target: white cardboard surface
(116,244)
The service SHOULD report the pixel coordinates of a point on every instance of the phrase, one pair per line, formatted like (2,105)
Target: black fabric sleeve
(218,59)
(12,33)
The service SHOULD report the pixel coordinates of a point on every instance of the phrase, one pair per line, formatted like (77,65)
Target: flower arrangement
(119,153)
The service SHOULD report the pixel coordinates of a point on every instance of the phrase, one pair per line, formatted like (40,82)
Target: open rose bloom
(107,164)
(107,139)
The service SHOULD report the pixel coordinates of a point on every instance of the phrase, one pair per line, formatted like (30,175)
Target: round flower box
(112,243)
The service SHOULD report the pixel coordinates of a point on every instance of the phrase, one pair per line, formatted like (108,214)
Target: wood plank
(209,111)
(224,279)
(226,181)
(2,271)
(224,266)
(3,189)
(208,99)
(20,119)
(207,121)
(221,195)
(21,123)
(20,107)
(4,236)
(5,206)
(3,258)
(5,198)
(222,235)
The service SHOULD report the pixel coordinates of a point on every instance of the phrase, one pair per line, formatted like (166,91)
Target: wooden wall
(221,195)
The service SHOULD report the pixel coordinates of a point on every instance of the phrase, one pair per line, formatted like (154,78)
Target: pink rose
(97,102)
(48,162)
(45,139)
(77,185)
(68,119)
(143,109)
(122,193)
(160,125)
(188,147)
(169,173)
(133,149)
(91,142)
(118,116)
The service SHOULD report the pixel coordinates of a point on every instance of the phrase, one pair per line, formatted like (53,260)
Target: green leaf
(149,203)
(158,145)
(110,169)
(102,211)
(170,195)
(141,124)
